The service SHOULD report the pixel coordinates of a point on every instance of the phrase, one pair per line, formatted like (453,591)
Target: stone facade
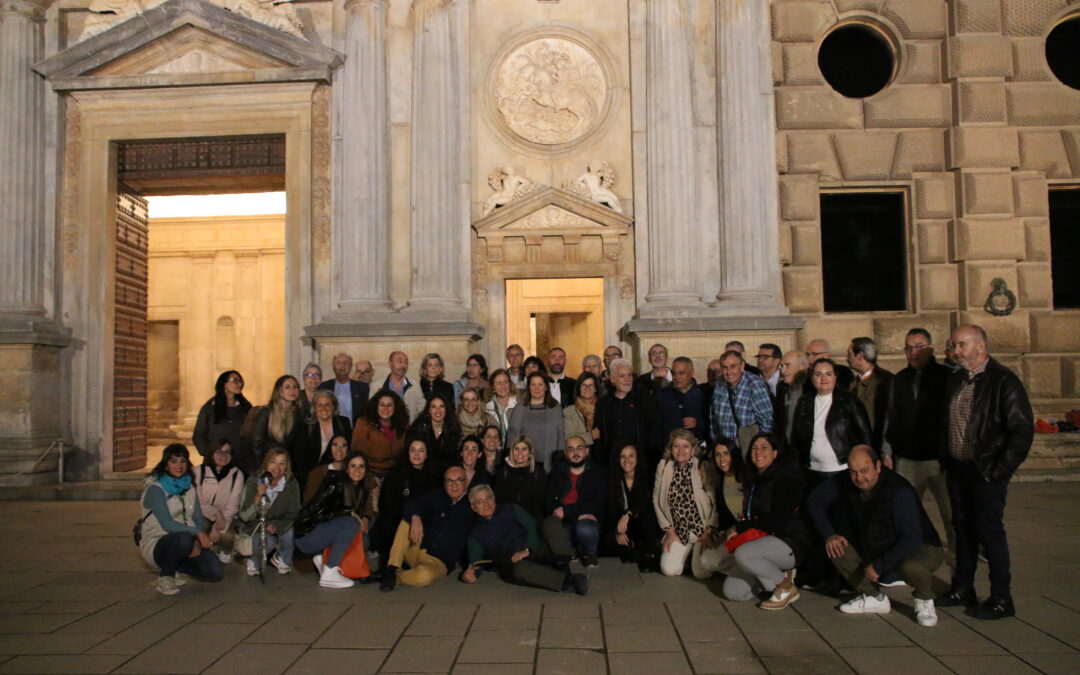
(677,148)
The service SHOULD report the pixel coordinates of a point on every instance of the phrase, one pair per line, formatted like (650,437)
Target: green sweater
(283,510)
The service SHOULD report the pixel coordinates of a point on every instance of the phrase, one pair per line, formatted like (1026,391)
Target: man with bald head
(874,525)
(351,394)
(399,383)
(990,427)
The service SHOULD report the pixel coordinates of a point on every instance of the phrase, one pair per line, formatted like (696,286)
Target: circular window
(1063,51)
(856,60)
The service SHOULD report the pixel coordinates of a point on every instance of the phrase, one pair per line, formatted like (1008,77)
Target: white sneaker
(895,583)
(252,569)
(281,565)
(167,586)
(925,613)
(331,577)
(179,580)
(317,561)
(866,604)
(224,557)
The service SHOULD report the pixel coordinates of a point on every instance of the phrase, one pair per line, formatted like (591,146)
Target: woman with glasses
(220,484)
(312,447)
(579,418)
(502,401)
(172,524)
(222,416)
(310,381)
(475,376)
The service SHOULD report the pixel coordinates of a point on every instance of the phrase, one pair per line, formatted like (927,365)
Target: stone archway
(551,233)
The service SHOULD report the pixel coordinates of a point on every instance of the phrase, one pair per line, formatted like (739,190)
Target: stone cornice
(31,9)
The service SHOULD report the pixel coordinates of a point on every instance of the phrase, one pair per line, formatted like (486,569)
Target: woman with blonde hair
(278,422)
(471,414)
(271,497)
(520,481)
(502,401)
(683,500)
(312,446)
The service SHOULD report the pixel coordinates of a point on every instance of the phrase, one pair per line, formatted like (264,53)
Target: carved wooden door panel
(129,353)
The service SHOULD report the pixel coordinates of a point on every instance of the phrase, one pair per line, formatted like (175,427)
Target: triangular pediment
(552,211)
(187,42)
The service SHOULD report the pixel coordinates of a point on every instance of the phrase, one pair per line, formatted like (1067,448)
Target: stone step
(94,491)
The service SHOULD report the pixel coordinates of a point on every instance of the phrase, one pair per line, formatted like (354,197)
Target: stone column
(361,238)
(670,162)
(22,160)
(438,231)
(749,232)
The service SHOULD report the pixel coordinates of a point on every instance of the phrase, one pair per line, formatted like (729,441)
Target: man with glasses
(505,535)
(365,372)
(573,503)
(659,375)
(430,540)
(768,362)
(914,426)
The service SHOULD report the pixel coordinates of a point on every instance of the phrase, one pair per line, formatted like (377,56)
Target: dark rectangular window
(1064,243)
(863,251)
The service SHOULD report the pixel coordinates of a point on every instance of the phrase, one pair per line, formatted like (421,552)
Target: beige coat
(665,472)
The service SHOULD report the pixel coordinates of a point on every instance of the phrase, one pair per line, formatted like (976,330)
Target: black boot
(389,579)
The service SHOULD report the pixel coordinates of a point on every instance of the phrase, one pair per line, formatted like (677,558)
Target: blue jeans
(583,534)
(337,533)
(283,543)
(172,553)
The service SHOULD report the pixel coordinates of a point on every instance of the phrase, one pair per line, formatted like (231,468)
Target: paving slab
(510,616)
(46,643)
(499,646)
(73,663)
(889,660)
(177,653)
(788,643)
(1054,662)
(256,613)
(34,623)
(423,655)
(355,629)
(493,669)
(948,638)
(657,635)
(115,618)
(449,620)
(352,661)
(1005,664)
(727,656)
(570,662)
(581,633)
(825,664)
(298,624)
(674,663)
(256,659)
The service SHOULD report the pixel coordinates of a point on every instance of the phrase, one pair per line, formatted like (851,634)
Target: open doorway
(566,313)
(200,283)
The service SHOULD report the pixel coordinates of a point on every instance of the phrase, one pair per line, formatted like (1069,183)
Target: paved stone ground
(75,597)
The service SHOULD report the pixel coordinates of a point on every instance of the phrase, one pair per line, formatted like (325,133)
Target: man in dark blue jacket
(682,405)
(505,536)
(431,537)
(873,525)
(574,501)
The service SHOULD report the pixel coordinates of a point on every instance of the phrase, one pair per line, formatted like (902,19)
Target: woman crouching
(173,537)
(343,506)
(271,497)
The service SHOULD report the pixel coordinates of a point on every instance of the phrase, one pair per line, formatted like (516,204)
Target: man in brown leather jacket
(989,430)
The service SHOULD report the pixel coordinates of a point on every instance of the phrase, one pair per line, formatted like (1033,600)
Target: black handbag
(136,531)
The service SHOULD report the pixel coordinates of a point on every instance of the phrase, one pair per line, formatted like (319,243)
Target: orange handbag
(354,565)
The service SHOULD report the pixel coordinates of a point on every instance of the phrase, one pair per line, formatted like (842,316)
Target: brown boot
(783,595)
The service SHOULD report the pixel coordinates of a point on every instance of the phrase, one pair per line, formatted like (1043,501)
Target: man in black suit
(562,387)
(351,394)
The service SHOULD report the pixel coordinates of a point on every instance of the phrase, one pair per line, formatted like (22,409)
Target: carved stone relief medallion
(549,91)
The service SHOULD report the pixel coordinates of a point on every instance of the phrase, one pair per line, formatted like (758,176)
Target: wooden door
(130,331)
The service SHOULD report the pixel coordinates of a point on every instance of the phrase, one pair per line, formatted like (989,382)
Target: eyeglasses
(339,445)
(765,356)
(915,348)
(813,354)
(483,500)
(312,375)
(575,447)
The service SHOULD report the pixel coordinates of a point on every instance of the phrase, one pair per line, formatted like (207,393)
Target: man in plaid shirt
(744,392)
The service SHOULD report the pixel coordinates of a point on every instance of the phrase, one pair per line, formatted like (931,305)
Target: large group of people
(524,470)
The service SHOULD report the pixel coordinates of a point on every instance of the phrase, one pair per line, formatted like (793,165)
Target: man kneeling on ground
(878,526)
(506,535)
(431,537)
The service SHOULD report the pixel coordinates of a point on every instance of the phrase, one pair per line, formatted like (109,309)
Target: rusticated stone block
(1006,333)
(1044,151)
(980,56)
(799,197)
(801,21)
(1055,331)
(917,19)
(812,153)
(934,195)
(983,147)
(816,108)
(1037,239)
(976,277)
(919,151)
(777,61)
(1042,104)
(1042,376)
(865,155)
(987,192)
(933,241)
(1071,138)
(910,105)
(1029,60)
(989,239)
(977,16)
(800,64)
(837,329)
(981,101)
(937,287)
(1030,195)
(890,333)
(785,244)
(1071,372)
(1035,286)
(805,245)
(802,289)
(1028,18)
(922,64)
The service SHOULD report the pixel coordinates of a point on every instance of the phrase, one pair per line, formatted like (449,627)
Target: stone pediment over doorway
(187,42)
(550,211)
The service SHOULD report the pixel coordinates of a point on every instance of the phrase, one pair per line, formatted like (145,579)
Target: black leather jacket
(846,425)
(1002,424)
(337,496)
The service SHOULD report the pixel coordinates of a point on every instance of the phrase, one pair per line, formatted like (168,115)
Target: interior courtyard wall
(975,128)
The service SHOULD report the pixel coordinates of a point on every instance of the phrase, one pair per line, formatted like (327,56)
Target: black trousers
(978,516)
